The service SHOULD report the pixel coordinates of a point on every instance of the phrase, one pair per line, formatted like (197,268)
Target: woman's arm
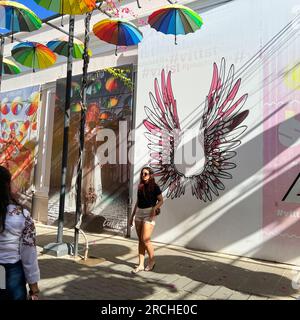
(158,205)
(29,254)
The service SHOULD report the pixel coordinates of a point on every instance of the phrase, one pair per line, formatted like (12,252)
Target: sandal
(149,267)
(137,269)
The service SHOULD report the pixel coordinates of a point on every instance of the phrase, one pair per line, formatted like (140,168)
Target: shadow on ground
(113,279)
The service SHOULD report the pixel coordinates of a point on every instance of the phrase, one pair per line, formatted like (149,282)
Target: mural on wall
(212,141)
(18,137)
(104,186)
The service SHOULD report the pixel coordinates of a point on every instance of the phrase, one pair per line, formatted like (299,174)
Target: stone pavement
(179,274)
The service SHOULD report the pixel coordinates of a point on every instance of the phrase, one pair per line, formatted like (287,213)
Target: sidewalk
(179,274)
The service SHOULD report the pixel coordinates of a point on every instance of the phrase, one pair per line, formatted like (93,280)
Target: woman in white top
(18,253)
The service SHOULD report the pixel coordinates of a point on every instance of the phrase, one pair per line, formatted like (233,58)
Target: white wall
(235,222)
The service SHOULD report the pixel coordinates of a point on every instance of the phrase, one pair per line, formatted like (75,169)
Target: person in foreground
(18,255)
(149,200)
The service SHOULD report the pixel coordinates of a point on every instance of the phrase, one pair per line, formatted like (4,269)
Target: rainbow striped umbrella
(175,19)
(16,17)
(118,32)
(33,55)
(60,46)
(71,7)
(9,67)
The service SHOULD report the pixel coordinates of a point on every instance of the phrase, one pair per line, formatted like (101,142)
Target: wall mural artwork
(214,140)
(104,185)
(18,137)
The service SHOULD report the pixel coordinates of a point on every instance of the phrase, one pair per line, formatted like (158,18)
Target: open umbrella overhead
(16,17)
(60,46)
(9,67)
(118,32)
(72,7)
(33,55)
(175,19)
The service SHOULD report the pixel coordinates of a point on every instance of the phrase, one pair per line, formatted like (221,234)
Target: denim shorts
(15,282)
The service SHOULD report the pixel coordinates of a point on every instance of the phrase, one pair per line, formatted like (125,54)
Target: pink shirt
(17,242)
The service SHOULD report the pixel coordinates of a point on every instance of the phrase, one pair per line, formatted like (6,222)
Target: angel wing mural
(215,139)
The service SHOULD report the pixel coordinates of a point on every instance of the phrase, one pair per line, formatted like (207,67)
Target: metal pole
(66,132)
(1,57)
(86,59)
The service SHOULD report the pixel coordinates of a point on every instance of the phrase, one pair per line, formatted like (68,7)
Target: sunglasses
(145,174)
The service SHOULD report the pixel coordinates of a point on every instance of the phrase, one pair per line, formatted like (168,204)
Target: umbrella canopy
(175,19)
(72,7)
(118,32)
(60,46)
(9,67)
(33,55)
(16,17)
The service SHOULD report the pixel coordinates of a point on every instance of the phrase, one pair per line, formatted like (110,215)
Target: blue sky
(42,13)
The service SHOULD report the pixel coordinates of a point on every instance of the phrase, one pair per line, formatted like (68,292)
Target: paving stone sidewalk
(179,274)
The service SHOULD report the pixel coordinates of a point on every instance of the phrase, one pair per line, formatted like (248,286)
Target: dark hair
(150,183)
(6,196)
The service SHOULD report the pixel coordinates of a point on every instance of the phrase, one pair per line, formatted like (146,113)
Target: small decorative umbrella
(16,17)
(33,55)
(16,105)
(118,32)
(68,6)
(4,107)
(175,19)
(9,67)
(60,46)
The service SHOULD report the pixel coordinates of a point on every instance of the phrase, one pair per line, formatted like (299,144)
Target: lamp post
(59,248)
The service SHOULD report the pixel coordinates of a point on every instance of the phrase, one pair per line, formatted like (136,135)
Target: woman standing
(18,253)
(149,200)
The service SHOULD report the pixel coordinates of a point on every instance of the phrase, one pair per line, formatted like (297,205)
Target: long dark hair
(150,184)
(6,196)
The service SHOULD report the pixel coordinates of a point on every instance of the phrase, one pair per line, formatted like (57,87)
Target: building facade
(229,94)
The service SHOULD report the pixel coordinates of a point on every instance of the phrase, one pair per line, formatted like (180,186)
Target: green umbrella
(60,46)
(16,17)
(68,6)
(33,55)
(9,67)
(175,19)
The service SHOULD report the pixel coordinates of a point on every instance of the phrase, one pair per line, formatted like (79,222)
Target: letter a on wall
(293,193)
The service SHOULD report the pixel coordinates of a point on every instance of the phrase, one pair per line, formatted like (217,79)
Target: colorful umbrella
(68,6)
(60,47)
(118,32)
(16,17)
(16,105)
(33,105)
(9,67)
(175,19)
(4,106)
(33,55)
(4,124)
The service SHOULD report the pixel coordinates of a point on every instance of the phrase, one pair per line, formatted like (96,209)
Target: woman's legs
(146,238)
(139,231)
(15,281)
